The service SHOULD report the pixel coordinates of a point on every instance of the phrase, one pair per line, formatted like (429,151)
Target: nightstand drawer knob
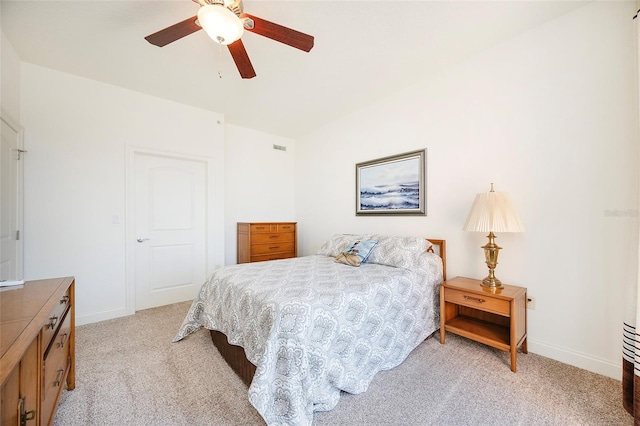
(475,299)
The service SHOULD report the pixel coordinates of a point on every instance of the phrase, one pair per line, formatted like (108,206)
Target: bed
(299,331)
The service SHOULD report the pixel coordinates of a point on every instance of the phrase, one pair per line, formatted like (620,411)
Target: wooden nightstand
(497,319)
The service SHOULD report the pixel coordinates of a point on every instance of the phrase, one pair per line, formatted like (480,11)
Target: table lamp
(492,212)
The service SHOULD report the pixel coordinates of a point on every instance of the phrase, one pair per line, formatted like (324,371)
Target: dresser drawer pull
(261,227)
(63,339)
(64,300)
(25,416)
(52,322)
(274,237)
(475,299)
(274,247)
(59,377)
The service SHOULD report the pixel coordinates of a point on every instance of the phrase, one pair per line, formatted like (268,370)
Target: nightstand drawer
(478,301)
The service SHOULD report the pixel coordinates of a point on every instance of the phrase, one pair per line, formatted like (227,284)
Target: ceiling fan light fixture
(220,23)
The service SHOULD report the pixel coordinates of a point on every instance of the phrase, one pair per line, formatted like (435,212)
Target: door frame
(130,229)
(20,193)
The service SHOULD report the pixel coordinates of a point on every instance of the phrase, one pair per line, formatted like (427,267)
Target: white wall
(9,80)
(77,134)
(551,118)
(259,185)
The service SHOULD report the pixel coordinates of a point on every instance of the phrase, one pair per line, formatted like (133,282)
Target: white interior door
(170,229)
(11,155)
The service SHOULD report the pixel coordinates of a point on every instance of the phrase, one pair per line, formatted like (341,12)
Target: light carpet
(128,372)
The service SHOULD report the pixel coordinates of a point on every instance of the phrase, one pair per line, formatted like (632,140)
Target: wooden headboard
(440,250)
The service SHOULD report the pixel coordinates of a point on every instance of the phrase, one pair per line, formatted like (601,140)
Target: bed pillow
(401,252)
(337,244)
(357,253)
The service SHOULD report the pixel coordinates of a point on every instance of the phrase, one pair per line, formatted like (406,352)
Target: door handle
(142,240)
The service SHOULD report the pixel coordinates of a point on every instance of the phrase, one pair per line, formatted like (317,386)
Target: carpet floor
(128,372)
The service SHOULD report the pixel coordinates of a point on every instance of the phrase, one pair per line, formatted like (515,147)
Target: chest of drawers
(37,347)
(259,241)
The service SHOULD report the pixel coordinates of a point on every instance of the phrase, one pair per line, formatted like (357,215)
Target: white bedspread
(314,327)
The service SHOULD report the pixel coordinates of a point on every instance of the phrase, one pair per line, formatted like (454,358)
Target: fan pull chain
(219,59)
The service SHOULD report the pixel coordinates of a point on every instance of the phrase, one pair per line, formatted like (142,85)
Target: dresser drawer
(263,227)
(272,248)
(472,300)
(273,237)
(55,369)
(272,227)
(285,227)
(54,318)
(272,256)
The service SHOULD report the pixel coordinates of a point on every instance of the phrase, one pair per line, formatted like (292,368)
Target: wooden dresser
(258,241)
(37,347)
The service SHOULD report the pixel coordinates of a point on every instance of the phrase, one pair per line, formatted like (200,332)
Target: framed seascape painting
(393,185)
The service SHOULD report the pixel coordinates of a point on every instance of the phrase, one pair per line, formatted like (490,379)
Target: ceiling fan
(225,21)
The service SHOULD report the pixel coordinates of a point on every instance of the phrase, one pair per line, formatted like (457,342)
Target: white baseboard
(580,360)
(83,319)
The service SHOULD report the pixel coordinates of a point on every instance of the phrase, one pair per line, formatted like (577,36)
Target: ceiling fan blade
(174,32)
(241,58)
(279,33)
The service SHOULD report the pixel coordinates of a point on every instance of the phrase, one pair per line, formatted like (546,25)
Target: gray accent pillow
(401,252)
(338,243)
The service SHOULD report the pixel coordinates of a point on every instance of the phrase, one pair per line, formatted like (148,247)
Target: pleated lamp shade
(493,212)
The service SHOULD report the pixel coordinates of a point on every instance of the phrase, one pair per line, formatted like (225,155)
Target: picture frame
(394,185)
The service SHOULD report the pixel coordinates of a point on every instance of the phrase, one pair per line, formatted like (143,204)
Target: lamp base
(491,251)
(491,282)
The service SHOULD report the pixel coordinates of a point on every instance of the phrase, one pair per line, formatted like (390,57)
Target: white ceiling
(363,51)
